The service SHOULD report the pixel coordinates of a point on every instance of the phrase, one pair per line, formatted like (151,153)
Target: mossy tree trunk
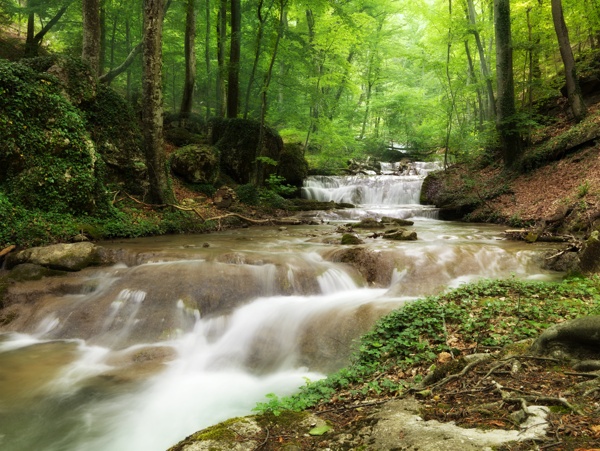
(576,102)
(233,82)
(91,34)
(506,122)
(190,60)
(221,72)
(152,102)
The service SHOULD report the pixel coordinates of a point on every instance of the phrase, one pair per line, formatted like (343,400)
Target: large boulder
(292,166)
(589,260)
(62,257)
(196,163)
(241,158)
(47,159)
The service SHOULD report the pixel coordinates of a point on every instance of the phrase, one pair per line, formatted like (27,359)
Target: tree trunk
(207,59)
(152,102)
(506,124)
(576,102)
(233,83)
(102,58)
(257,52)
(190,60)
(33,41)
(482,59)
(91,34)
(221,39)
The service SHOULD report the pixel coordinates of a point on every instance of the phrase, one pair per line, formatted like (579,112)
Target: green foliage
(247,194)
(47,160)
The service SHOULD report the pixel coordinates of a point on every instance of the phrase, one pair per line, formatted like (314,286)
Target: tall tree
(233,80)
(506,123)
(91,34)
(576,102)
(221,71)
(152,105)
(33,40)
(190,60)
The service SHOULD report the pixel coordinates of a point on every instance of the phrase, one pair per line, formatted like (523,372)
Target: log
(7,250)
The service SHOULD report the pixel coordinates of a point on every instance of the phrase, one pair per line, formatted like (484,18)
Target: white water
(375,195)
(144,365)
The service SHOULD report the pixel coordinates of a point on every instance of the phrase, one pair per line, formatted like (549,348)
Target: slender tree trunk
(342,85)
(33,41)
(576,102)
(91,34)
(190,60)
(221,39)
(207,59)
(102,58)
(265,89)
(482,59)
(257,52)
(506,124)
(481,112)
(152,102)
(233,82)
(128,46)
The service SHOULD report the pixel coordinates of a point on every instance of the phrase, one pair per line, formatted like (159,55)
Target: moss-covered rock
(368,223)
(196,163)
(292,164)
(114,128)
(62,257)
(237,141)
(47,159)
(589,260)
(349,239)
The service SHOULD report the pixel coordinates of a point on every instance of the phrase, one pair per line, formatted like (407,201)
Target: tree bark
(482,59)
(506,124)
(91,34)
(233,83)
(257,52)
(221,72)
(152,102)
(33,41)
(190,60)
(576,102)
(207,59)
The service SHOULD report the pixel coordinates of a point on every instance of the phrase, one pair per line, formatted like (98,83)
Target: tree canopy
(340,78)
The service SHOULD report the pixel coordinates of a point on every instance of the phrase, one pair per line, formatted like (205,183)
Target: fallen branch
(452,377)
(7,250)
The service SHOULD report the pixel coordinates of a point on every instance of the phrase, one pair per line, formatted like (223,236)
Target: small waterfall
(396,195)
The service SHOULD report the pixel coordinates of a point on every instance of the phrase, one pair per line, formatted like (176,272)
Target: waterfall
(395,195)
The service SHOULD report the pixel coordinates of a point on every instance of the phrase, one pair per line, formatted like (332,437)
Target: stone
(368,223)
(589,259)
(400,235)
(224,197)
(350,239)
(397,221)
(196,163)
(62,257)
(577,339)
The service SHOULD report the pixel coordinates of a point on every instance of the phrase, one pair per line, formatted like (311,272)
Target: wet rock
(397,221)
(400,235)
(350,239)
(63,257)
(30,271)
(368,223)
(376,268)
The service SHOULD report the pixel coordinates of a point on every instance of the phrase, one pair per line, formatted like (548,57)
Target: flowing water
(190,330)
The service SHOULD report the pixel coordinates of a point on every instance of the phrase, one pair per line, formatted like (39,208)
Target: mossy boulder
(368,223)
(114,128)
(237,142)
(397,221)
(196,163)
(62,257)
(589,260)
(292,164)
(179,136)
(400,235)
(47,158)
(349,239)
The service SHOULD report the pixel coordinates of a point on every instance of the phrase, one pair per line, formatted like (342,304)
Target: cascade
(375,195)
(180,336)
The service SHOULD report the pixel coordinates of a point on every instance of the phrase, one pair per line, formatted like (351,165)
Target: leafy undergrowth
(406,345)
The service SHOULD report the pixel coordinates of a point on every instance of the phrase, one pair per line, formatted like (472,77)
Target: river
(187,331)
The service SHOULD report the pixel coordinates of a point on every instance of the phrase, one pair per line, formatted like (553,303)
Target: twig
(452,377)
(355,406)
(590,375)
(264,441)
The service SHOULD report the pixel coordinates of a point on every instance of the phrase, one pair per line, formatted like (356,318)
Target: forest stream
(190,330)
